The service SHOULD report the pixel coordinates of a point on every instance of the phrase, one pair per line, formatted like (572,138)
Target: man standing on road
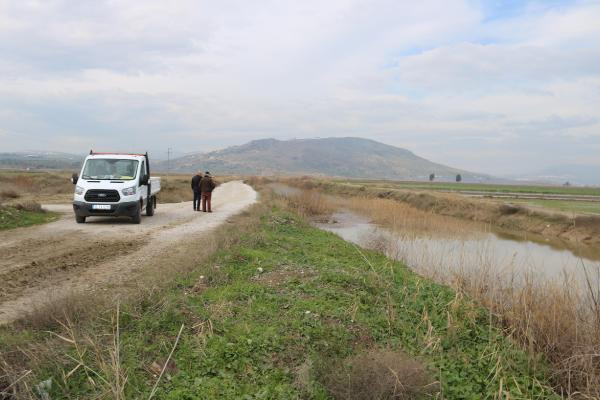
(196,188)
(207,185)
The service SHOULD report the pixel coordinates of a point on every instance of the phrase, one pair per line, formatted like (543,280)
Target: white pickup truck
(114,184)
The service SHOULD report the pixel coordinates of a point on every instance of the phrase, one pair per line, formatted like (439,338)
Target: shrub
(509,209)
(29,205)
(9,194)
(379,375)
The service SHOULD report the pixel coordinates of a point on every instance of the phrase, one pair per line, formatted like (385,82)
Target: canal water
(501,255)
(509,256)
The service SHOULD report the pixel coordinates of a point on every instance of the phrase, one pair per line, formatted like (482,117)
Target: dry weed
(7,194)
(378,375)
(29,205)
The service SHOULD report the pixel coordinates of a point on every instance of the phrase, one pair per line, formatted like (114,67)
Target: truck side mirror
(144,180)
(74,178)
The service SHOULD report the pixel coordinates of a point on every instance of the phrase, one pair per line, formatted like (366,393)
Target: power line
(168,162)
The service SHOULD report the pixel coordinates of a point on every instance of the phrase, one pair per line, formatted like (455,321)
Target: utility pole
(168,162)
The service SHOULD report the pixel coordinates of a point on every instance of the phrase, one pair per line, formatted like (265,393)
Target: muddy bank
(583,229)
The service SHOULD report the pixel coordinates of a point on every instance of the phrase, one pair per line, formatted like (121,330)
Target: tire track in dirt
(56,265)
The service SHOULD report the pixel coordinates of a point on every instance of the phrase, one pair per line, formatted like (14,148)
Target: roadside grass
(12,217)
(275,313)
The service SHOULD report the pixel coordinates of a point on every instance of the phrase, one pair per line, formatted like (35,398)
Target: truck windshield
(110,168)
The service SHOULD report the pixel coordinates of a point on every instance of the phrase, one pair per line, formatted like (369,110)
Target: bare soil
(47,262)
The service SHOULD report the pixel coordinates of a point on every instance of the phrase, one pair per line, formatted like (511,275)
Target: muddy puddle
(509,256)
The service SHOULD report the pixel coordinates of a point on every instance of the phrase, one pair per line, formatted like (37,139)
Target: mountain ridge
(350,157)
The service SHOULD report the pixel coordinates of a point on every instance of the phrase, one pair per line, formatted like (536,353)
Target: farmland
(476,187)
(572,200)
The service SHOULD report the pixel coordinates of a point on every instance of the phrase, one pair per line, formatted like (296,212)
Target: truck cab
(115,184)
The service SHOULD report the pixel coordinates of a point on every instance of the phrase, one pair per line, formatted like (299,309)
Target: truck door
(143,189)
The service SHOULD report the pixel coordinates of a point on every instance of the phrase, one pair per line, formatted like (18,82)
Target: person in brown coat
(196,188)
(207,185)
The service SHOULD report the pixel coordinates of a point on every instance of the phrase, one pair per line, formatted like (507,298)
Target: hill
(341,157)
(40,160)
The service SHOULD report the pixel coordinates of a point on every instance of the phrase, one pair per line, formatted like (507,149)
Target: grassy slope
(246,332)
(478,187)
(12,218)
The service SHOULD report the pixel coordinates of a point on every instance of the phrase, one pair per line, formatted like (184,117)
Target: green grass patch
(286,296)
(11,217)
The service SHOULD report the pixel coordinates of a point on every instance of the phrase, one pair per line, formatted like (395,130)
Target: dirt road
(45,262)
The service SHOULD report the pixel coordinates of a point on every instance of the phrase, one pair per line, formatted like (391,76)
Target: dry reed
(311,203)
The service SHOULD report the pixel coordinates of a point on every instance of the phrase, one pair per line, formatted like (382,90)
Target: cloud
(437,77)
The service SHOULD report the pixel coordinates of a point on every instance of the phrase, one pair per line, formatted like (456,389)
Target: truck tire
(151,206)
(80,220)
(137,217)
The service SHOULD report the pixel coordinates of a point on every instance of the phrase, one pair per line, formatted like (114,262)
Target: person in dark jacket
(196,188)
(207,185)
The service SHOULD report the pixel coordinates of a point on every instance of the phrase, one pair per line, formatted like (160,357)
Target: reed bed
(311,203)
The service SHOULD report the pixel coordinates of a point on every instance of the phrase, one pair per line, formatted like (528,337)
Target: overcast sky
(491,86)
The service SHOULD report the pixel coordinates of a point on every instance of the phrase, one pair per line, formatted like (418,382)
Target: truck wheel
(80,220)
(137,218)
(151,206)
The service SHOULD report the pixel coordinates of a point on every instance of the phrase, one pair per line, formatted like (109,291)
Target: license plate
(100,206)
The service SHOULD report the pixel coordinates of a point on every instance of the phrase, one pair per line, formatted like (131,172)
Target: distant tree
(459,178)
(431,177)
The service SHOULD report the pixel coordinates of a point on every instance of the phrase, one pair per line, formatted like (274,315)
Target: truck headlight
(129,191)
(79,190)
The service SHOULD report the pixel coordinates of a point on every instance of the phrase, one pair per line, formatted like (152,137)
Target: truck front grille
(102,196)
